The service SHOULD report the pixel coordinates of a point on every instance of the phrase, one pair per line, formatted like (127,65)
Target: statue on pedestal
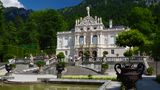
(31,63)
(88,10)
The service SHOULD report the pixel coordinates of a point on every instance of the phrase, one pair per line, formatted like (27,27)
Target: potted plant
(40,64)
(104,67)
(150,70)
(8,68)
(60,67)
(13,66)
(86,55)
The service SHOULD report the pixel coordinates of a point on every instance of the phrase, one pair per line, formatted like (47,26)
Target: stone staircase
(76,70)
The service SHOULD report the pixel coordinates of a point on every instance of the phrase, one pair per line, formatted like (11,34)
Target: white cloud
(12,3)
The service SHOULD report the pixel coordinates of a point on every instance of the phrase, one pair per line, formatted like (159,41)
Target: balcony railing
(85,46)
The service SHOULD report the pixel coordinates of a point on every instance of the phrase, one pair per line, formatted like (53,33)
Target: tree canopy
(142,19)
(155,47)
(60,56)
(19,37)
(46,23)
(130,38)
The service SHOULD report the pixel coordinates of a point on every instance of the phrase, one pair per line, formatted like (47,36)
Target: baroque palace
(90,34)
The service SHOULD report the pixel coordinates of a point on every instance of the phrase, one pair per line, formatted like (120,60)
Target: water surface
(47,87)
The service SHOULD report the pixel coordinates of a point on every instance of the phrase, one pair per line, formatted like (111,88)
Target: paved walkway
(114,85)
(29,78)
(148,83)
(3,72)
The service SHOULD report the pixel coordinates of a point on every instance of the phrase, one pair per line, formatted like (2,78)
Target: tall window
(112,40)
(112,51)
(66,52)
(81,40)
(94,39)
(66,42)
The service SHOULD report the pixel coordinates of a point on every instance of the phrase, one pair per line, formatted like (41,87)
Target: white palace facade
(90,34)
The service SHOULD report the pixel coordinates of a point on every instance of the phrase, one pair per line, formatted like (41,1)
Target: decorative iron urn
(8,67)
(59,68)
(128,74)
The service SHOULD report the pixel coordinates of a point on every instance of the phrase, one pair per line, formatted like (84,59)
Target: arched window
(94,53)
(94,39)
(81,40)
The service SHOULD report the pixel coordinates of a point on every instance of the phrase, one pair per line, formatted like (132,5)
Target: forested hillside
(143,15)
(25,31)
(118,10)
(11,13)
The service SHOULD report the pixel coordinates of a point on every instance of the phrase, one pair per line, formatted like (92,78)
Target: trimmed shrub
(90,76)
(13,65)
(105,66)
(128,53)
(87,77)
(40,63)
(60,56)
(150,70)
(62,64)
(105,53)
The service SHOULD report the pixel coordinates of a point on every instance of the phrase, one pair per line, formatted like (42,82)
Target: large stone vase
(129,75)
(59,69)
(8,68)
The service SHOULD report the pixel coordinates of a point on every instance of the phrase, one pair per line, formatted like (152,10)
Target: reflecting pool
(47,87)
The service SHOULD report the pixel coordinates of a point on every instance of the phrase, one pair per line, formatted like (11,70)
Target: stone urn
(128,74)
(8,68)
(59,68)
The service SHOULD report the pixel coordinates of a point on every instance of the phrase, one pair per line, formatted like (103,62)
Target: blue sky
(43,4)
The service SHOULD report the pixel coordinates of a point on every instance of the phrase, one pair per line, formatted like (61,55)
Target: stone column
(100,20)
(96,19)
(62,42)
(97,39)
(84,43)
(77,39)
(76,22)
(91,38)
